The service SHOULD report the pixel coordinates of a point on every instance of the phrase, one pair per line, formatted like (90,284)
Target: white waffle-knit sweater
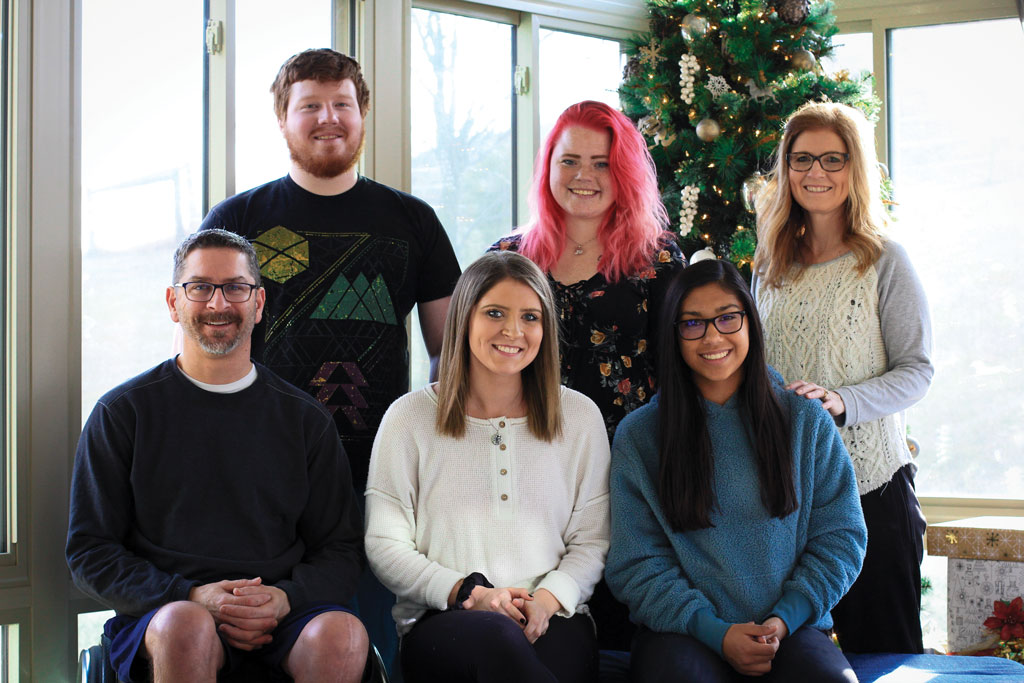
(523,512)
(866,337)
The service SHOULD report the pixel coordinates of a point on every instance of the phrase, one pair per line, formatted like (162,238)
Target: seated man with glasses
(212,504)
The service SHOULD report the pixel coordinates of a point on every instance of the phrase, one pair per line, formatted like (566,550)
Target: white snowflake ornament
(718,86)
(650,54)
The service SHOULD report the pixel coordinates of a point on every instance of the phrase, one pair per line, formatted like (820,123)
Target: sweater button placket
(504,466)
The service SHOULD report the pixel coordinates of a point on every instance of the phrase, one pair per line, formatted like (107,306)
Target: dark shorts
(127,634)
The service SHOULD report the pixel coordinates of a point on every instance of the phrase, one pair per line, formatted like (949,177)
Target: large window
(576,67)
(142,176)
(265,37)
(461,97)
(851,53)
(958,177)
(462,126)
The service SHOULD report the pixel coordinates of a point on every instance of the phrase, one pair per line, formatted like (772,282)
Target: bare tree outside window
(461,134)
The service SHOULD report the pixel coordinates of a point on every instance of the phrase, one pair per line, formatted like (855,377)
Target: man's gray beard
(220,347)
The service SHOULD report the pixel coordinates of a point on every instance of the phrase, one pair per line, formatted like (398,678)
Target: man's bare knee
(331,647)
(183,630)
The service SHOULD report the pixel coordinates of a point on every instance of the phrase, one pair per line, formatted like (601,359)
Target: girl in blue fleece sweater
(736,524)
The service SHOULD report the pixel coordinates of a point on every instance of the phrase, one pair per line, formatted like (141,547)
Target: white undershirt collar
(230,387)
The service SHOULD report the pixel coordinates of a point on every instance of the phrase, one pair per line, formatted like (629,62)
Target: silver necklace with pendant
(579,245)
(496,437)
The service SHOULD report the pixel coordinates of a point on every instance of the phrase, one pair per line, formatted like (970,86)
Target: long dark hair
(686,464)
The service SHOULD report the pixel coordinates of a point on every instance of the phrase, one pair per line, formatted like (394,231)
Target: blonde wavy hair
(780,220)
(541,378)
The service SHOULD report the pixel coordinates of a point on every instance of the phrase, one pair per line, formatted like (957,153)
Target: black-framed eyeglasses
(696,328)
(234,292)
(829,161)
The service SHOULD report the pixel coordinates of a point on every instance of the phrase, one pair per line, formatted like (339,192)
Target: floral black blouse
(607,332)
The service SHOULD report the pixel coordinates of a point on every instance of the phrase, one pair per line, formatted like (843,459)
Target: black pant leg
(882,610)
(485,647)
(674,658)
(809,655)
(569,649)
(614,629)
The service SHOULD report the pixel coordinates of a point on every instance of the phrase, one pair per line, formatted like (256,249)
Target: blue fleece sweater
(749,565)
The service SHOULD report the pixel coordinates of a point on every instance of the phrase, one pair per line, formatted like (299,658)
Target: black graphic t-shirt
(342,273)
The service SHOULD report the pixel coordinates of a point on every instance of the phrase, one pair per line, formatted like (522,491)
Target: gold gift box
(979,538)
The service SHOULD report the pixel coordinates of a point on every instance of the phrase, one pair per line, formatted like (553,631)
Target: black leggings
(487,647)
(882,610)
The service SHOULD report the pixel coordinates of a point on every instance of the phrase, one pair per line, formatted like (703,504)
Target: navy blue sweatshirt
(175,486)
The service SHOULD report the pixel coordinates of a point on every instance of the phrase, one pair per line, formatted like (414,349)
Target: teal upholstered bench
(883,668)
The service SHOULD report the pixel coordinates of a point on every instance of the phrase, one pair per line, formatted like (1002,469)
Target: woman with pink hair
(597,228)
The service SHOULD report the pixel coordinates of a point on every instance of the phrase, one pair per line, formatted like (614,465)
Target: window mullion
(527,114)
(219,147)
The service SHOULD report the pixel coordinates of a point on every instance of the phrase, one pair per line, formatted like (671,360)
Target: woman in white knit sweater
(846,323)
(487,498)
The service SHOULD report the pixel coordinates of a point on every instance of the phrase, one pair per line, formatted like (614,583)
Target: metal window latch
(521,80)
(214,36)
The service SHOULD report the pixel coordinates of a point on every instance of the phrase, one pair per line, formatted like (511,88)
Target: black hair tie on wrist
(468,584)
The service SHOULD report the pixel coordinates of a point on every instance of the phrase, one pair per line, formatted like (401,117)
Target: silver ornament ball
(708,130)
(803,60)
(694,26)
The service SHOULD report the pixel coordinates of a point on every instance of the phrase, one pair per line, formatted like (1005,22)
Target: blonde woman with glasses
(847,324)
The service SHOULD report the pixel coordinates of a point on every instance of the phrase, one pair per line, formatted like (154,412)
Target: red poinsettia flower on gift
(1007,618)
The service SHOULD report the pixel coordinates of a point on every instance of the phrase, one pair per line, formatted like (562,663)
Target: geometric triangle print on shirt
(282,254)
(357,300)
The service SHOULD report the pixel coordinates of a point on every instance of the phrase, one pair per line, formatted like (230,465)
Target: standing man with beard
(212,504)
(344,259)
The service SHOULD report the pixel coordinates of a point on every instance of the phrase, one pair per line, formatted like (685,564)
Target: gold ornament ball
(708,130)
(694,26)
(803,60)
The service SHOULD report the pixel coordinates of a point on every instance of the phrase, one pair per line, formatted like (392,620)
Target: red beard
(325,166)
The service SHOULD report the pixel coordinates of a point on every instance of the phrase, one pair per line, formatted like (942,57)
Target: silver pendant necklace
(579,245)
(496,437)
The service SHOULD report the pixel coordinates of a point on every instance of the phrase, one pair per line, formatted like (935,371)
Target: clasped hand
(532,613)
(750,648)
(245,610)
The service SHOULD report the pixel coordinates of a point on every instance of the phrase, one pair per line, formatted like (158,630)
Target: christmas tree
(710,87)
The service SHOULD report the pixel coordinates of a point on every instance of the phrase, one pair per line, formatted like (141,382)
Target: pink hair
(634,226)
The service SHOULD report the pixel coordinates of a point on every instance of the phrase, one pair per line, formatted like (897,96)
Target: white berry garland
(688,68)
(688,212)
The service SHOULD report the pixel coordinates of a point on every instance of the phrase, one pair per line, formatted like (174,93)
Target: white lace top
(867,337)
